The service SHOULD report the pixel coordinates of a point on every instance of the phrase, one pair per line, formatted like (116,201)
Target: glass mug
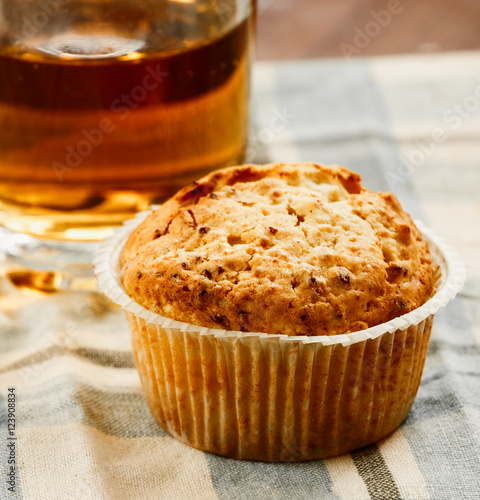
(109,106)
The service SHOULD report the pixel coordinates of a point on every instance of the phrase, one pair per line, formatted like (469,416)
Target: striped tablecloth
(82,426)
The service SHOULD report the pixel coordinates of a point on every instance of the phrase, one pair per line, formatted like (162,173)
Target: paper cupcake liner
(273,397)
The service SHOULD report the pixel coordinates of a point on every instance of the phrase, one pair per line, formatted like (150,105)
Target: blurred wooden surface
(299,29)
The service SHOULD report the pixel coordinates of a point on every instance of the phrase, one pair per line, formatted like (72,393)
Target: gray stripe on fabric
(4,452)
(444,372)
(442,427)
(375,473)
(112,359)
(456,321)
(433,406)
(245,480)
(446,445)
(106,358)
(67,399)
(438,345)
(443,392)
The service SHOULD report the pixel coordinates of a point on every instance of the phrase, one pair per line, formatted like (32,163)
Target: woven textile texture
(82,426)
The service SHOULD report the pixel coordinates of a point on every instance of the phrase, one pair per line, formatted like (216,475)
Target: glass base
(47,265)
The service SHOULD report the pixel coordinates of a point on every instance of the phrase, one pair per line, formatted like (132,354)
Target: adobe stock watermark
(93,138)
(380,20)
(278,123)
(31,26)
(452,118)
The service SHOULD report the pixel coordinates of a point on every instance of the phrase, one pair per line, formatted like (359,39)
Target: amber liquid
(90,135)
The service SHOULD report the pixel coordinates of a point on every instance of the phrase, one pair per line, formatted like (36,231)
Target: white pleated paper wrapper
(273,397)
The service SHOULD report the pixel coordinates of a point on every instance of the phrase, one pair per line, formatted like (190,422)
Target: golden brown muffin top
(295,249)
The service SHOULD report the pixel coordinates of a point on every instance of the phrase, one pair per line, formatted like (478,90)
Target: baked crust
(293,249)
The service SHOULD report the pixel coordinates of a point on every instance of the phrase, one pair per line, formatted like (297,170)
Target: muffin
(278,312)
